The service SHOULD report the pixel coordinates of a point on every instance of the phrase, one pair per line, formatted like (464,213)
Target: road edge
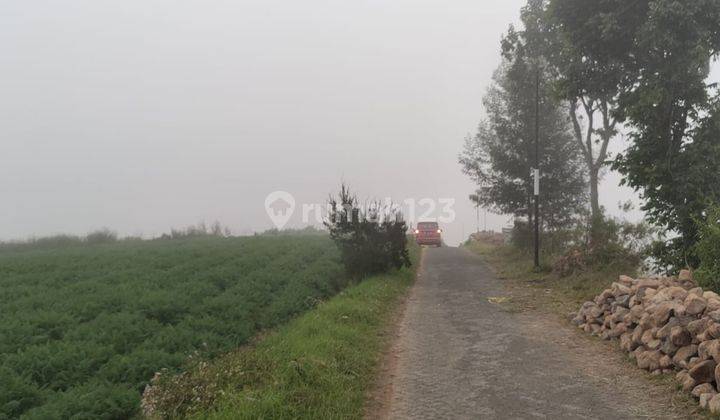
(379,398)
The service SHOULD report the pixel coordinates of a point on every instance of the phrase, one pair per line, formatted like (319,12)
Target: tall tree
(502,153)
(657,54)
(591,98)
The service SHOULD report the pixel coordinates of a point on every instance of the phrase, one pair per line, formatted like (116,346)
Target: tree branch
(578,131)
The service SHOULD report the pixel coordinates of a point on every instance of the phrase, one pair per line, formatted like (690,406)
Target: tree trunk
(596,217)
(594,195)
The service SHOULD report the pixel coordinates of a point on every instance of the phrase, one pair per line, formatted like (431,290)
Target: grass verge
(543,289)
(320,365)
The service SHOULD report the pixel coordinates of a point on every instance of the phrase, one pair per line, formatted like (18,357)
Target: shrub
(102,236)
(708,250)
(370,241)
(615,243)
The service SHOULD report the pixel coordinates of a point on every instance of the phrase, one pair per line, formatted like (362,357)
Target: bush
(102,236)
(370,242)
(614,243)
(708,250)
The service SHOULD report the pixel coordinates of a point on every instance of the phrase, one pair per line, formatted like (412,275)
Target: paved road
(461,356)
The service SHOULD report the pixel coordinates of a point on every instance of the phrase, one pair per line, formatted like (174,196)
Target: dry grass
(543,289)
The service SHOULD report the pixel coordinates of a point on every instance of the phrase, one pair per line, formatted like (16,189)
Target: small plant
(708,250)
(370,242)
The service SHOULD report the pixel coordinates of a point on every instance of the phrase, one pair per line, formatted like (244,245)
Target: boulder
(622,301)
(619,289)
(648,284)
(712,331)
(663,311)
(698,327)
(687,381)
(703,371)
(697,291)
(595,312)
(646,321)
(666,362)
(685,275)
(668,347)
(705,388)
(711,295)
(655,344)
(647,337)
(714,404)
(618,330)
(717,374)
(618,312)
(603,297)
(646,294)
(675,293)
(626,280)
(627,343)
(705,399)
(709,350)
(695,305)
(680,336)
(664,332)
(650,360)
(712,305)
(713,315)
(683,355)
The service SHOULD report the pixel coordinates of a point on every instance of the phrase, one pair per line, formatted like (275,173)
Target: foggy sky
(146,115)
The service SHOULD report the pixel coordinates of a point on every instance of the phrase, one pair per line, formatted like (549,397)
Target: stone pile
(666,325)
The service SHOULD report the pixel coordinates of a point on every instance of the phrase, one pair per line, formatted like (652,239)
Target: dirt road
(460,354)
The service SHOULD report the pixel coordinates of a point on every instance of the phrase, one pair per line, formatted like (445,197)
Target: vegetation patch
(319,365)
(85,327)
(547,289)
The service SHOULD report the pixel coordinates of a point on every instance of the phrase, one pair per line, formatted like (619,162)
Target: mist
(143,116)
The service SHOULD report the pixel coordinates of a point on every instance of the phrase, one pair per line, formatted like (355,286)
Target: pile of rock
(667,325)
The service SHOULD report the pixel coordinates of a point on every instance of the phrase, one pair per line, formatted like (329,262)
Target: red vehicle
(428,233)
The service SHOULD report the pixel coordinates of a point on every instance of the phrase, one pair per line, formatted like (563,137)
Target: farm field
(85,328)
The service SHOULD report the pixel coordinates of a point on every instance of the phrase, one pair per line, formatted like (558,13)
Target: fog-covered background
(146,115)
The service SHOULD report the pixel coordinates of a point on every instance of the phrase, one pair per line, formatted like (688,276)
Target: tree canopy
(501,155)
(653,56)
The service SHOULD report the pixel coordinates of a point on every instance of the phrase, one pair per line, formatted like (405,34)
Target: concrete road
(458,355)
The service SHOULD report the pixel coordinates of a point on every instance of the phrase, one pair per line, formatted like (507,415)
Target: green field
(84,328)
(320,365)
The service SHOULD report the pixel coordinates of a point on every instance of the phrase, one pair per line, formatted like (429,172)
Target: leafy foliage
(370,242)
(708,250)
(656,54)
(85,328)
